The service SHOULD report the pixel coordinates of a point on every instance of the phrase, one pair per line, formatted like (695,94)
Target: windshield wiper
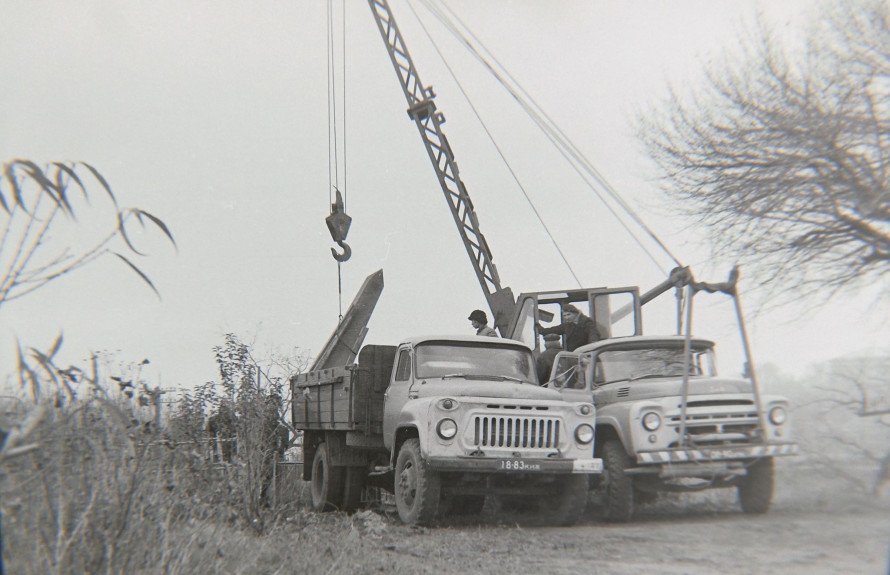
(614,381)
(482,376)
(508,378)
(649,376)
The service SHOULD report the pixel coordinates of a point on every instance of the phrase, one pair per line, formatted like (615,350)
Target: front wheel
(327,481)
(756,488)
(417,488)
(618,504)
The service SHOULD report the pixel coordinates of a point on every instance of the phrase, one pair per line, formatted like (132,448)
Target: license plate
(519,465)
(728,454)
(587,466)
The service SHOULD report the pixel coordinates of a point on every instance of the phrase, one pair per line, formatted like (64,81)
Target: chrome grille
(516,432)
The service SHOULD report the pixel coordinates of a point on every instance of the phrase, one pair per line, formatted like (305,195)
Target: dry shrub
(98,496)
(105,492)
(103,495)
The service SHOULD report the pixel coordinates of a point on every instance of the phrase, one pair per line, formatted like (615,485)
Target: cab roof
(644,340)
(416,340)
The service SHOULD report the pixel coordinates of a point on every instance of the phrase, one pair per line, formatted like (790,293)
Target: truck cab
(668,422)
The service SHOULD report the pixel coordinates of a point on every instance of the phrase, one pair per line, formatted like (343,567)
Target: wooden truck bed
(346,398)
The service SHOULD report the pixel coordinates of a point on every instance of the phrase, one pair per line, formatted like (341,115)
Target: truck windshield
(633,364)
(467,360)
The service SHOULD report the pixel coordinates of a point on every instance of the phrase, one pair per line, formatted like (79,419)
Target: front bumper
(722,453)
(593,466)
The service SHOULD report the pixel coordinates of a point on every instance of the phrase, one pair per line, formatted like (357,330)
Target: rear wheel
(327,481)
(756,488)
(618,503)
(418,488)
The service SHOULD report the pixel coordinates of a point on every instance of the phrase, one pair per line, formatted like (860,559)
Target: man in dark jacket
(577,328)
(545,360)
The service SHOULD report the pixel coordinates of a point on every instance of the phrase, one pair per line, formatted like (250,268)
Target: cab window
(567,374)
(403,368)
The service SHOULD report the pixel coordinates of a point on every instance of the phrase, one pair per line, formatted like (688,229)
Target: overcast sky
(213,115)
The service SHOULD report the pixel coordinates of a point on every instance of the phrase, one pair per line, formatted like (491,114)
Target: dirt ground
(813,528)
(696,540)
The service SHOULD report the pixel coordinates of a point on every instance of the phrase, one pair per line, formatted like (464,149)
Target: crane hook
(347,252)
(338,224)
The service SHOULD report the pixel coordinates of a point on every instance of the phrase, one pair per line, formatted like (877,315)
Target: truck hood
(459,387)
(668,386)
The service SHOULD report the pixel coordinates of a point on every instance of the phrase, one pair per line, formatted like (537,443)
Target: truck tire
(618,500)
(417,488)
(566,502)
(756,488)
(327,481)
(353,485)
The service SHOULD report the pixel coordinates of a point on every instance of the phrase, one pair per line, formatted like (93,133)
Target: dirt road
(819,524)
(694,541)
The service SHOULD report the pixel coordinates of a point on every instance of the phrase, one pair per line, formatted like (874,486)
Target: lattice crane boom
(422,109)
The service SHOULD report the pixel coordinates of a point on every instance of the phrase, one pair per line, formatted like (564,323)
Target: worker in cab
(545,360)
(577,328)
(480,322)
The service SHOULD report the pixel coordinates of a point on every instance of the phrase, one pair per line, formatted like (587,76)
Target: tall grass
(107,492)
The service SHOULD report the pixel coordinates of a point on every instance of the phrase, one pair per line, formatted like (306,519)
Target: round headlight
(584,434)
(447,429)
(778,415)
(651,421)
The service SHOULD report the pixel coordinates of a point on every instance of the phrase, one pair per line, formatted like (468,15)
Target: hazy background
(213,115)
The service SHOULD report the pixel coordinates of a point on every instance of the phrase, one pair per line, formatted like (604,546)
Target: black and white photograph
(445,286)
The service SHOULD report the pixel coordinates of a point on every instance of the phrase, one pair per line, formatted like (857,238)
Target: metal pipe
(687,357)
(749,363)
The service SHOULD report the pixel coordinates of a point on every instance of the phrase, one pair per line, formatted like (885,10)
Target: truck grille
(725,427)
(517,432)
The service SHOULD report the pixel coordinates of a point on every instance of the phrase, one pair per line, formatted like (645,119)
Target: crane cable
(550,129)
(334,132)
(498,148)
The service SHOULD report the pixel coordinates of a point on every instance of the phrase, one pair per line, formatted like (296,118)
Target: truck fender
(413,421)
(609,427)
(403,434)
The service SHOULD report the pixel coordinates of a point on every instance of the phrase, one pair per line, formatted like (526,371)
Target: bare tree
(783,153)
(847,420)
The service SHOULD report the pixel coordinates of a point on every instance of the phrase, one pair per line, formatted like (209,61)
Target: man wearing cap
(577,328)
(545,360)
(480,322)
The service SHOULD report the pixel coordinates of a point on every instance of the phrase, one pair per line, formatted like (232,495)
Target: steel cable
(551,130)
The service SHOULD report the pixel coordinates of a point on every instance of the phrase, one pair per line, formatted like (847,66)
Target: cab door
(570,376)
(397,393)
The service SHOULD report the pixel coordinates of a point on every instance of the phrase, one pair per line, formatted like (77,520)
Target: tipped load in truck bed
(345,398)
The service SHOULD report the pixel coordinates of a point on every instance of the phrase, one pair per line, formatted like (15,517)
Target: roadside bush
(105,491)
